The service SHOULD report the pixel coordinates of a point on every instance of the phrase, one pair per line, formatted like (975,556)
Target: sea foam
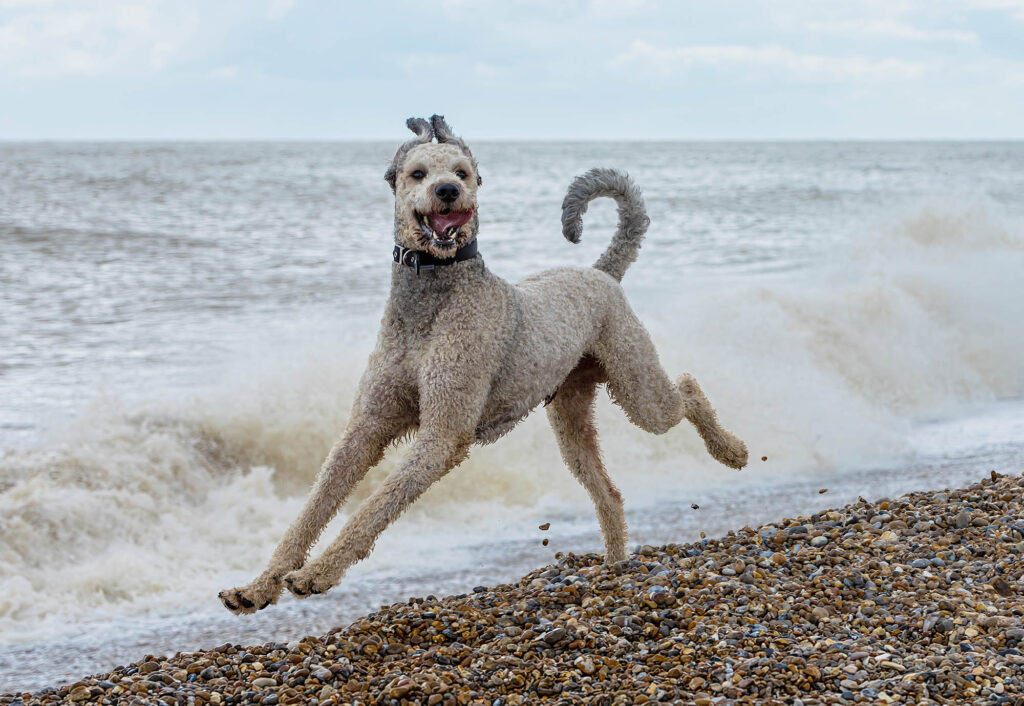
(154,506)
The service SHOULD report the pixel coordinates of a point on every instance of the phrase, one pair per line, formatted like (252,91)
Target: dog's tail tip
(572,228)
(633,220)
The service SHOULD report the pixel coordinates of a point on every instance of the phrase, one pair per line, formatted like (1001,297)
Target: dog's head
(435,187)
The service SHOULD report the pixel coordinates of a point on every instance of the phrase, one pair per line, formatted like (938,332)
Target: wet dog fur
(462,356)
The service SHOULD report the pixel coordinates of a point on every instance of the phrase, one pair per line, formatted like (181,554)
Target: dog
(463,356)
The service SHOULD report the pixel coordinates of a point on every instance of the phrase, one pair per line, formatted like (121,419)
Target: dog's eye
(461,174)
(418,174)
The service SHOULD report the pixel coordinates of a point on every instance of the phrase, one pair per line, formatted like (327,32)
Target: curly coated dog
(463,356)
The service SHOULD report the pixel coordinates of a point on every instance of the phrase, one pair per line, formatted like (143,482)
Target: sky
(512,69)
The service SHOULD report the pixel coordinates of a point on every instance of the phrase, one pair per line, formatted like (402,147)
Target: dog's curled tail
(633,220)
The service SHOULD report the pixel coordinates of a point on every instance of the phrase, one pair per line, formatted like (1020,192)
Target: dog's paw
(613,556)
(730,451)
(249,599)
(307,581)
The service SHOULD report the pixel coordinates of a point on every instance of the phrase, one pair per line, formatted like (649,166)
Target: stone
(856,619)
(1002,587)
(585,664)
(554,636)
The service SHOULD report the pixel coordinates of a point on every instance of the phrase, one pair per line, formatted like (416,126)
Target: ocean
(183,326)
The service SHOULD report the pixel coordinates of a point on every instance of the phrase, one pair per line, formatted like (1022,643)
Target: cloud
(890,29)
(1015,8)
(939,66)
(52,38)
(12,4)
(487,72)
(279,9)
(644,58)
(224,72)
(615,9)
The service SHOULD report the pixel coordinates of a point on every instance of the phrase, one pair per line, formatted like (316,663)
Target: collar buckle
(421,261)
(409,258)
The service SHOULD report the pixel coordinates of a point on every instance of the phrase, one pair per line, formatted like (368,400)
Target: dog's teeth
(424,224)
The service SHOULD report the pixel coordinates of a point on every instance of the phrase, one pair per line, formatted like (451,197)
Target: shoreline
(919,598)
(94,645)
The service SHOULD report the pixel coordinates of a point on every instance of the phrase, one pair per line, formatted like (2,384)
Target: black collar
(422,260)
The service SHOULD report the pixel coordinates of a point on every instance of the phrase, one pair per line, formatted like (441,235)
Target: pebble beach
(918,599)
(164,416)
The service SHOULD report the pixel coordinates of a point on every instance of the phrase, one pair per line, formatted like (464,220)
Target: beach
(185,326)
(816,216)
(915,599)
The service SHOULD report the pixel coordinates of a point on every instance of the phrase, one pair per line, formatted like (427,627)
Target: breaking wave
(819,369)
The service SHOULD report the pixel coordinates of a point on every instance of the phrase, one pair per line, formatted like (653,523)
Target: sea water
(183,327)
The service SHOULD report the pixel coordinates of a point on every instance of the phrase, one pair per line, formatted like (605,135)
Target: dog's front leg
(431,457)
(361,447)
(454,382)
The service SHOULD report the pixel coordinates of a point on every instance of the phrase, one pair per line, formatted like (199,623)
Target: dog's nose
(447,192)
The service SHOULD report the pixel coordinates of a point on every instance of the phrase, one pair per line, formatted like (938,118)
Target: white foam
(157,507)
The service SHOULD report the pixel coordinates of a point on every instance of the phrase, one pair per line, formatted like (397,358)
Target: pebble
(839,607)
(1002,587)
(554,636)
(585,664)
(943,625)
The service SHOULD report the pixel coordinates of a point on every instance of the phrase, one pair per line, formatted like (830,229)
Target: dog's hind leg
(720,443)
(361,448)
(571,414)
(638,384)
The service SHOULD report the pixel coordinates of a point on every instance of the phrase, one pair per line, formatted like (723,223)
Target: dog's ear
(424,134)
(421,128)
(443,133)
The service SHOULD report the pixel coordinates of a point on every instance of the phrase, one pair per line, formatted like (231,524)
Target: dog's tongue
(440,222)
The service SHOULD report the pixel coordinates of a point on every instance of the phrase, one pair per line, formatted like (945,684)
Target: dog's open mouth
(442,228)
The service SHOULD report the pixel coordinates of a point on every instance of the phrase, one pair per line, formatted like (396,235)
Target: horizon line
(300,140)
